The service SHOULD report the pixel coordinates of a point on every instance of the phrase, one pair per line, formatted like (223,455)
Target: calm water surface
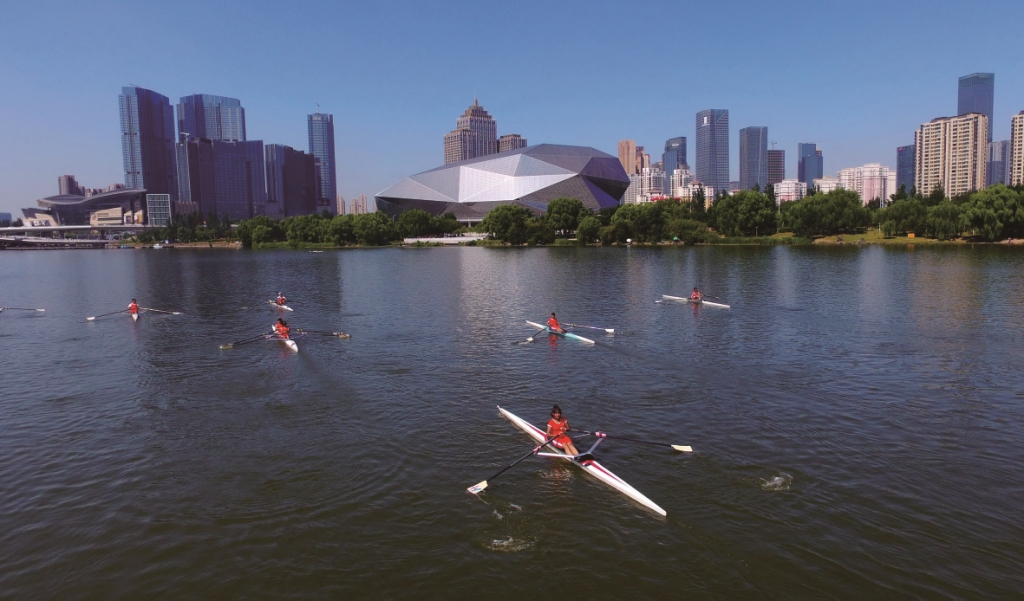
(138,459)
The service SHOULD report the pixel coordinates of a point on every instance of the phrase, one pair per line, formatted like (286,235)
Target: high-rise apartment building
(339,208)
(222,178)
(511,142)
(776,166)
(754,158)
(321,145)
(712,163)
(293,181)
(871,181)
(69,186)
(997,162)
(481,140)
(147,141)
(627,156)
(1017,150)
(810,164)
(905,167)
(359,205)
(951,152)
(672,159)
(211,117)
(976,94)
(789,190)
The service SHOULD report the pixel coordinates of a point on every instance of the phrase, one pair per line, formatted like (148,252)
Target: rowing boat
(135,316)
(283,307)
(288,342)
(683,299)
(569,335)
(588,464)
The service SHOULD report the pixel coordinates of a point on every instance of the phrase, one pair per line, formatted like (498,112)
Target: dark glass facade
(321,146)
(211,117)
(147,141)
(906,166)
(976,94)
(996,168)
(776,166)
(673,158)
(810,164)
(293,181)
(713,149)
(223,178)
(753,157)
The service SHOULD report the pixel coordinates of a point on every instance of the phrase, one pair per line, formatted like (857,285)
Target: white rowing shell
(683,299)
(565,334)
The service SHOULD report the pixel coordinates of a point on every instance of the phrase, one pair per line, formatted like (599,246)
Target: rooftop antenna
(318,108)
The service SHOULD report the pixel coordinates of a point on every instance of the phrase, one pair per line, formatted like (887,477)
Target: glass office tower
(905,167)
(147,141)
(810,164)
(976,94)
(753,158)
(211,117)
(713,148)
(321,146)
(673,158)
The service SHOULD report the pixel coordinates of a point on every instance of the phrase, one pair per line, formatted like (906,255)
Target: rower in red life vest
(696,295)
(281,328)
(557,428)
(133,307)
(553,324)
(281,299)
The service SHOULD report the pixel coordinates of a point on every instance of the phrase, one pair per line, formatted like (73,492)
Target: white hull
(282,307)
(590,466)
(289,343)
(683,299)
(135,316)
(569,335)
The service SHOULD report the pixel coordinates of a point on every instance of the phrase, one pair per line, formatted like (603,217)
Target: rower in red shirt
(281,299)
(557,428)
(696,295)
(553,324)
(133,307)
(281,328)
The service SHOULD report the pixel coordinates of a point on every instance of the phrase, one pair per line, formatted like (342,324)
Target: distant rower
(696,295)
(553,324)
(281,328)
(133,307)
(557,428)
(281,299)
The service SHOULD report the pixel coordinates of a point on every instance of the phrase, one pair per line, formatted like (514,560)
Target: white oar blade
(478,488)
(41,310)
(682,448)
(610,330)
(90,319)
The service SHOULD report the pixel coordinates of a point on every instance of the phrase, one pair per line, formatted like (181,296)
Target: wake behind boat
(587,463)
(683,299)
(569,335)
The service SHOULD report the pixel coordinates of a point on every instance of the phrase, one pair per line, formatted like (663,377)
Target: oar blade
(41,310)
(478,488)
(90,319)
(682,448)
(228,345)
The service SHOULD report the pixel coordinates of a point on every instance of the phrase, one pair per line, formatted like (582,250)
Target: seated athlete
(554,325)
(696,295)
(281,299)
(133,307)
(281,328)
(557,428)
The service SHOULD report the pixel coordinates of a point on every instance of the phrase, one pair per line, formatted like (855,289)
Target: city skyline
(856,125)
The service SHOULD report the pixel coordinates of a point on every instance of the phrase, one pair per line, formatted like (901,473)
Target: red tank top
(558,428)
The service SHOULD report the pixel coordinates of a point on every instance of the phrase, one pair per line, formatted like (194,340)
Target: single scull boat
(683,299)
(135,316)
(588,464)
(283,307)
(562,334)
(287,342)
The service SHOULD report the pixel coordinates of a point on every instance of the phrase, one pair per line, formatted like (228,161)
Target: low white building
(870,181)
(790,189)
(827,184)
(645,186)
(687,192)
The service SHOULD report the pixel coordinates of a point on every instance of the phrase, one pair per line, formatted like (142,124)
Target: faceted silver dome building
(531,177)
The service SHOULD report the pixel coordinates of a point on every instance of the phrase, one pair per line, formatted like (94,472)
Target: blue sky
(858,77)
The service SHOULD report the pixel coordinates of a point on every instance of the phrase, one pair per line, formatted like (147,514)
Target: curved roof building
(71,209)
(531,177)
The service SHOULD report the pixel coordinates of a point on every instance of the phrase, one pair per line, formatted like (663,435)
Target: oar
(159,311)
(684,449)
(479,487)
(323,333)
(105,314)
(576,325)
(20,309)
(539,332)
(246,341)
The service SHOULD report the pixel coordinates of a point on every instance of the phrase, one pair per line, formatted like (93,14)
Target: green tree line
(368,229)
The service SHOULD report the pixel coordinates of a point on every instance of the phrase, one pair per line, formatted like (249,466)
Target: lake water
(856,419)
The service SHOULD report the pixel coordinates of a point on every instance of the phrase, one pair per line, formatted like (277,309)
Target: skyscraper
(810,164)
(673,158)
(482,139)
(754,157)
(951,152)
(211,117)
(293,184)
(627,156)
(69,186)
(147,141)
(776,166)
(222,178)
(321,145)
(976,94)
(511,142)
(905,167)
(1016,167)
(712,167)
(996,171)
